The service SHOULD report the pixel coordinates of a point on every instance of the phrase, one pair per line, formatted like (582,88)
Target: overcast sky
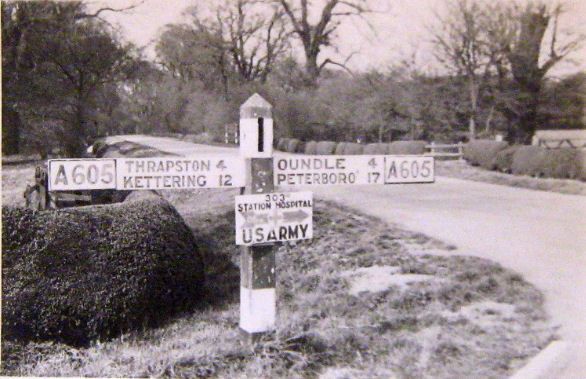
(401,31)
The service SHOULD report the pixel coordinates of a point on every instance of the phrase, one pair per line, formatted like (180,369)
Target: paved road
(539,234)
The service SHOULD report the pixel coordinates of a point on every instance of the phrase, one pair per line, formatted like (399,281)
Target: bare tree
(249,36)
(462,44)
(314,36)
(254,40)
(529,66)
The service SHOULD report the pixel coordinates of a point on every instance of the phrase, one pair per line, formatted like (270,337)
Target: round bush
(326,147)
(340,148)
(351,148)
(80,274)
(529,160)
(483,152)
(564,163)
(300,147)
(376,148)
(282,144)
(292,145)
(311,148)
(503,161)
(407,147)
(99,148)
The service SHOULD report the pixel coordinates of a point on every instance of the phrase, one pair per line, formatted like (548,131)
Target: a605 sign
(74,174)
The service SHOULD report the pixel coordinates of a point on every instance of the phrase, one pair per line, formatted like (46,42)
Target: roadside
(462,170)
(537,233)
(361,299)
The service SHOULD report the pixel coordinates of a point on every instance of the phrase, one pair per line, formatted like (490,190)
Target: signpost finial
(256,106)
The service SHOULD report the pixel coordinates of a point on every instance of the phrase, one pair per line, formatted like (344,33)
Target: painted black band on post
(261,134)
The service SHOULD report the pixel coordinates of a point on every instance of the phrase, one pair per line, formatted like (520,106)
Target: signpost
(273,217)
(179,172)
(263,217)
(353,170)
(146,173)
(81,174)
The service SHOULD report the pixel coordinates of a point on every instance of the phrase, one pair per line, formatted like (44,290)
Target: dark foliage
(82,274)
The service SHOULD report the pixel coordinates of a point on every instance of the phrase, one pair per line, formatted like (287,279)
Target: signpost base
(257,290)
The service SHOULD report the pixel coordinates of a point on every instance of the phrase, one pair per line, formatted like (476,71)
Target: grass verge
(468,318)
(462,170)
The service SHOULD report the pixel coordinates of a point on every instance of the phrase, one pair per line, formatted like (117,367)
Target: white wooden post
(432,149)
(460,150)
(257,263)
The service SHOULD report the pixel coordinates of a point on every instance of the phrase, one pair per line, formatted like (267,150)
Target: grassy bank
(359,300)
(462,170)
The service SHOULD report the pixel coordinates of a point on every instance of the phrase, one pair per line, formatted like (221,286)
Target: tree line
(68,77)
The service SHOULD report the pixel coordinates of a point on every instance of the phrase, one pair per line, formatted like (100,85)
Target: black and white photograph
(330,189)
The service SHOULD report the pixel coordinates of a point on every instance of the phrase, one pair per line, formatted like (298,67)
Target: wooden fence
(446,150)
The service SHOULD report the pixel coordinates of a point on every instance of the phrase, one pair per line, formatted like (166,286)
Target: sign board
(81,174)
(353,170)
(179,172)
(146,173)
(273,217)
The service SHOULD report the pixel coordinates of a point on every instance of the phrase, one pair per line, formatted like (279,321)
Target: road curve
(539,234)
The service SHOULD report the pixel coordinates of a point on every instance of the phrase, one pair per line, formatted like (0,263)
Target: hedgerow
(91,273)
(503,161)
(326,147)
(311,148)
(351,148)
(292,145)
(565,163)
(483,152)
(340,148)
(407,147)
(529,160)
(282,144)
(376,148)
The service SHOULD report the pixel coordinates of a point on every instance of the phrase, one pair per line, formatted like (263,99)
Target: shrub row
(80,274)
(564,163)
(293,145)
(483,152)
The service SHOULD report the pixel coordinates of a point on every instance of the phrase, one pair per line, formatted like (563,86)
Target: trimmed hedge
(292,145)
(300,147)
(80,274)
(282,144)
(376,148)
(311,148)
(326,147)
(483,152)
(203,138)
(406,148)
(565,163)
(503,161)
(529,160)
(352,148)
(340,148)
